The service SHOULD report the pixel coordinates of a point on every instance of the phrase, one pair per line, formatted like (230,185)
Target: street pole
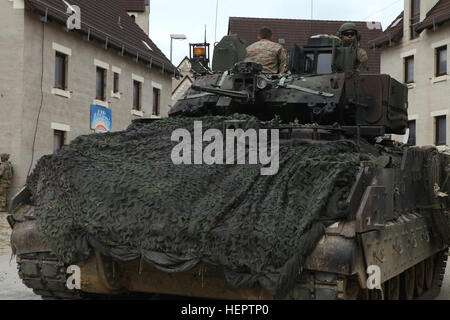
(215,30)
(171,39)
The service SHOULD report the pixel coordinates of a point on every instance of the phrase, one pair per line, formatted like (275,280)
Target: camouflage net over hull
(121,194)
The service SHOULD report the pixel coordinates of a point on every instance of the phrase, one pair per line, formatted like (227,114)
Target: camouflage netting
(121,194)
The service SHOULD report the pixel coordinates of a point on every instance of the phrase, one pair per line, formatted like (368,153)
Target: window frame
(412,139)
(103,71)
(61,136)
(415,18)
(116,82)
(437,130)
(62,70)
(438,51)
(406,73)
(156,102)
(137,101)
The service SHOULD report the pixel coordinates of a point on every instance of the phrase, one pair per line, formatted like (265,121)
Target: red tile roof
(133,5)
(100,20)
(439,14)
(298,31)
(393,33)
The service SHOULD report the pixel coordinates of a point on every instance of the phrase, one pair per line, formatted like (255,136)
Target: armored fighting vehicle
(351,213)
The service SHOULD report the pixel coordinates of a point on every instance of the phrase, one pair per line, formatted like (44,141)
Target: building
(182,84)
(414,50)
(291,31)
(139,11)
(66,72)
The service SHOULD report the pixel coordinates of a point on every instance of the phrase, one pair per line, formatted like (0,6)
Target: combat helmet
(4,156)
(348,26)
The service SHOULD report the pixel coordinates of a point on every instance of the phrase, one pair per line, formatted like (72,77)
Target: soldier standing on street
(6,174)
(350,37)
(271,55)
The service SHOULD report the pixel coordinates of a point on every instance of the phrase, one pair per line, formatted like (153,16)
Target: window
(133,17)
(324,63)
(412,132)
(415,17)
(100,88)
(156,98)
(137,86)
(60,71)
(309,62)
(116,83)
(409,69)
(441,61)
(58,140)
(441,130)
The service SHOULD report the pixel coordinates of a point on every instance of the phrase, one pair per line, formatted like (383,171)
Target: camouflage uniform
(5,181)
(271,55)
(362,60)
(361,56)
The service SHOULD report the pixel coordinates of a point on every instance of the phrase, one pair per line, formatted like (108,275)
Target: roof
(298,31)
(100,21)
(393,32)
(439,14)
(185,78)
(133,5)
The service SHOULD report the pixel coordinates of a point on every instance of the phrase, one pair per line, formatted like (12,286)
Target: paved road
(12,288)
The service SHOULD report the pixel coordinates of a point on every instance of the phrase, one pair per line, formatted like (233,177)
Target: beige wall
(11,76)
(428,96)
(20,85)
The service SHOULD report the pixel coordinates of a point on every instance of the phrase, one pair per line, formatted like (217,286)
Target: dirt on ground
(5,233)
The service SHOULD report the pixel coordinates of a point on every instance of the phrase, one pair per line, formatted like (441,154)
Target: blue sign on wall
(100,118)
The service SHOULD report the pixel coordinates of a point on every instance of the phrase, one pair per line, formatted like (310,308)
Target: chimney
(139,11)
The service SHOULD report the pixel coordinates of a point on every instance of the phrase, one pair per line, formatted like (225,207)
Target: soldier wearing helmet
(350,36)
(5,180)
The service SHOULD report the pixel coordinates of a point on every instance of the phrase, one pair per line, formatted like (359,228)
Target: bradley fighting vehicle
(391,243)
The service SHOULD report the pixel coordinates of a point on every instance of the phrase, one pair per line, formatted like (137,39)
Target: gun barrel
(223,92)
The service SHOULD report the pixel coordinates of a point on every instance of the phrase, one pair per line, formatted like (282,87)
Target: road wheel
(393,289)
(407,284)
(429,272)
(420,278)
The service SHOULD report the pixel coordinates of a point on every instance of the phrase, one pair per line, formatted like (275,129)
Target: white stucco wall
(428,96)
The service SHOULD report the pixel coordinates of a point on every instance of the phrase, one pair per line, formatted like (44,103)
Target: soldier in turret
(271,55)
(5,180)
(350,36)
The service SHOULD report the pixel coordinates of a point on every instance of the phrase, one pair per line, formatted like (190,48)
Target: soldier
(5,180)
(271,55)
(350,37)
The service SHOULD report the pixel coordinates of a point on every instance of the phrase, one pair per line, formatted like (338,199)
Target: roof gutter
(46,9)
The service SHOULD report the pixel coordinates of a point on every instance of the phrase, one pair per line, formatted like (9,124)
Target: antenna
(215,30)
(205,33)
(310,21)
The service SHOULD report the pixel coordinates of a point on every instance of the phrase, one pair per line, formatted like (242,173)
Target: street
(12,288)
